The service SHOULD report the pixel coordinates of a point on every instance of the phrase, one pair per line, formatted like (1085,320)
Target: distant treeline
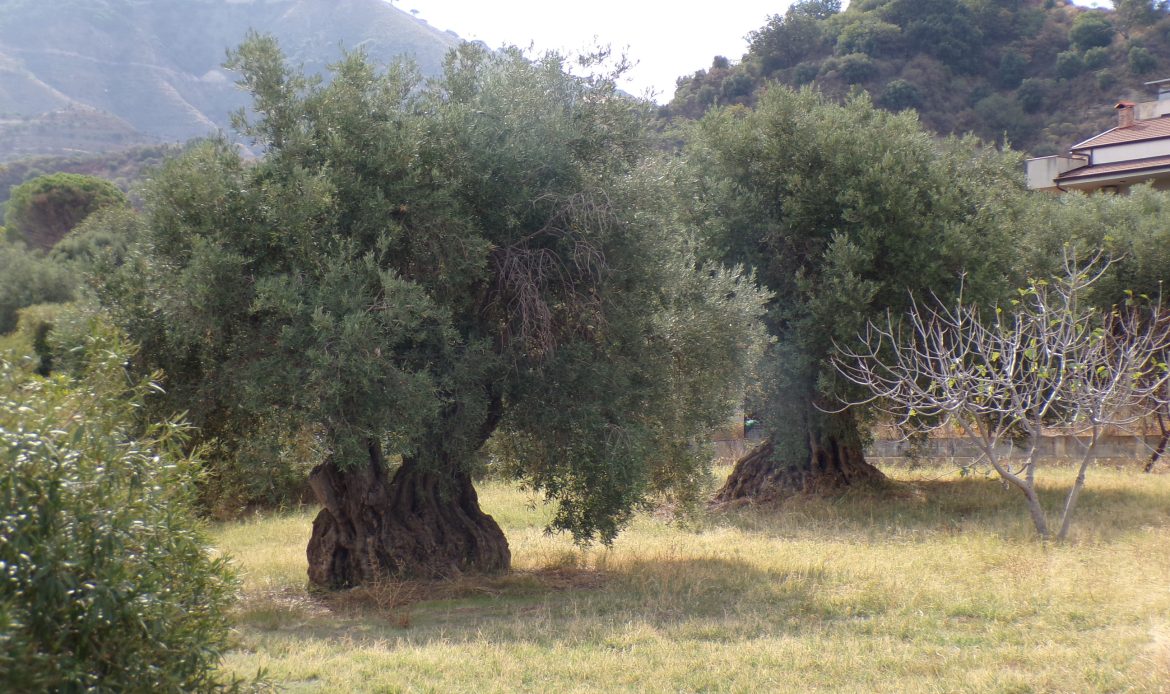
(123,167)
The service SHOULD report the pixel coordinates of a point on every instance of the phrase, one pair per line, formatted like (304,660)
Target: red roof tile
(1140,130)
(1134,165)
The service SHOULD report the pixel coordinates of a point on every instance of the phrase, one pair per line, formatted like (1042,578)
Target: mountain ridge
(157,64)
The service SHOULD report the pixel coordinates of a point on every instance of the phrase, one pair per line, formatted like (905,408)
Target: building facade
(1136,151)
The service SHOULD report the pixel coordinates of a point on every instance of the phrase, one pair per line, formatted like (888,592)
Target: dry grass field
(941,588)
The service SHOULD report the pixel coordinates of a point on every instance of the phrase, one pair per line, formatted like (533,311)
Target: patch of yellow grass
(942,588)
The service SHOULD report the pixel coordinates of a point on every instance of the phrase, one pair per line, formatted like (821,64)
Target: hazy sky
(665,39)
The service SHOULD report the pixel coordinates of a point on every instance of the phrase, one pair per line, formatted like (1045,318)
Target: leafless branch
(1046,359)
(547,281)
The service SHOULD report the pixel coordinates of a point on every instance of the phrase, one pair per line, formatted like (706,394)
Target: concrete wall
(1112,154)
(1042,171)
(1152,109)
(1109,447)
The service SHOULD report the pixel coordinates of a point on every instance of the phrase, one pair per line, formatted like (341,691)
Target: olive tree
(415,268)
(1049,358)
(840,209)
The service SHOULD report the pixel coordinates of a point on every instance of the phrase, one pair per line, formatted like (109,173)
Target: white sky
(666,40)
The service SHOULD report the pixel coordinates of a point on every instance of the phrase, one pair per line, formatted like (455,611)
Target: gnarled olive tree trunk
(420,523)
(830,460)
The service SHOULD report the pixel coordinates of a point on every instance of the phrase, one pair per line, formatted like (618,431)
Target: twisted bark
(420,523)
(831,462)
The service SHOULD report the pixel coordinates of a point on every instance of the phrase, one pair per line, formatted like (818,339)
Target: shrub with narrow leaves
(106,582)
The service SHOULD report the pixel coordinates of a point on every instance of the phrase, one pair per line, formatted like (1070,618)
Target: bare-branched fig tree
(1050,359)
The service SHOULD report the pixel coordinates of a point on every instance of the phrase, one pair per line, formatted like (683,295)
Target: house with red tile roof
(1136,151)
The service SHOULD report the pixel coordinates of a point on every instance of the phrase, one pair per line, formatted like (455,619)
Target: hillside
(68,131)
(1043,73)
(138,71)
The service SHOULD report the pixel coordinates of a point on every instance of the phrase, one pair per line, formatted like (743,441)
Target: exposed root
(758,478)
(415,525)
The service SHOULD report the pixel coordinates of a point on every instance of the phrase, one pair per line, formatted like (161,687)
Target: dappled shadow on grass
(950,504)
(706,598)
(391,597)
(911,591)
(392,600)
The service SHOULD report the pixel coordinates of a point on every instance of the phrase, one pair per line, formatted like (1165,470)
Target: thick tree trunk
(831,462)
(418,524)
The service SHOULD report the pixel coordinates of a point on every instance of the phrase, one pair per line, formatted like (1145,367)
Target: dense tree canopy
(1137,14)
(843,211)
(786,39)
(1129,229)
(42,211)
(28,278)
(1091,30)
(1036,73)
(415,268)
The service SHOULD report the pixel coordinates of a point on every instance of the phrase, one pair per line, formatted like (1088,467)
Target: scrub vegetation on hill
(1040,74)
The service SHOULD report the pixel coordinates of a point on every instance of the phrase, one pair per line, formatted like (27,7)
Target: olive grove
(841,210)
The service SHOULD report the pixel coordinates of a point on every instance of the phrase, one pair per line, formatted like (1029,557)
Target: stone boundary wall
(1060,447)
(1067,446)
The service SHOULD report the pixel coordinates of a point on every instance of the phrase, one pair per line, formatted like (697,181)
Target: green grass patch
(940,587)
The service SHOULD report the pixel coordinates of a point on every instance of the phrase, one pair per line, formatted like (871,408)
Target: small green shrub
(1106,80)
(804,73)
(735,86)
(33,326)
(978,93)
(869,36)
(1141,61)
(1003,117)
(268,469)
(106,583)
(1033,94)
(1069,64)
(853,68)
(1096,58)
(899,95)
(1012,66)
(27,278)
(42,210)
(1091,30)
(101,241)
